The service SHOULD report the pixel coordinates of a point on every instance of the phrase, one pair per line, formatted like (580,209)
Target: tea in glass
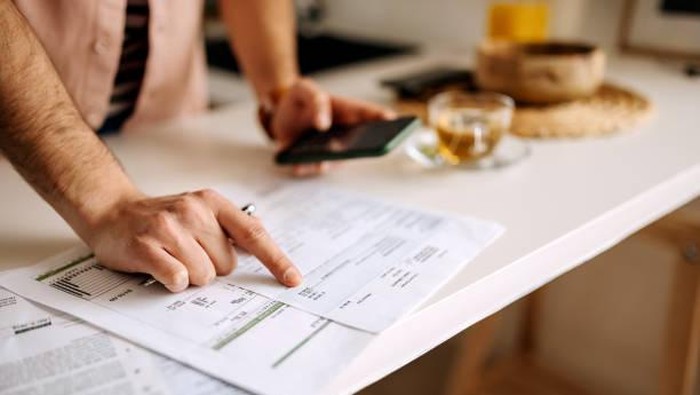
(469,126)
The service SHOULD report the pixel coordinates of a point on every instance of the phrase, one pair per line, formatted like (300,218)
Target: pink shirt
(83,38)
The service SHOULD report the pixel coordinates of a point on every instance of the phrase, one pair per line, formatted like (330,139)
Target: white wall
(449,22)
(600,22)
(461,23)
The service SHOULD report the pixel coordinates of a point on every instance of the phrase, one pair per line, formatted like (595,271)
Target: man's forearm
(43,134)
(264,38)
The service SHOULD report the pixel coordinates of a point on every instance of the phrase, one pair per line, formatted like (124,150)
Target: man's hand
(305,105)
(263,36)
(180,240)
(184,239)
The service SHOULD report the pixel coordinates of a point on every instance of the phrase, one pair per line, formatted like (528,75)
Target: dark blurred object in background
(318,49)
(316,53)
(422,84)
(681,6)
(692,70)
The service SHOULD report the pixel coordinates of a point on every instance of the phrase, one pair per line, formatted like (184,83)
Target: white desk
(566,203)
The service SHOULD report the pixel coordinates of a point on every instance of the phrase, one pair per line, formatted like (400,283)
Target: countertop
(570,200)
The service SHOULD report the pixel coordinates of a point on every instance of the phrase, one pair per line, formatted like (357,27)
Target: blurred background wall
(461,23)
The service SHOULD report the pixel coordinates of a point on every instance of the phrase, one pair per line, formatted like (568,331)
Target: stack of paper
(366,263)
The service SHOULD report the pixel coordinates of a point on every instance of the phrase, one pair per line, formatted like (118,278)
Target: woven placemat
(611,109)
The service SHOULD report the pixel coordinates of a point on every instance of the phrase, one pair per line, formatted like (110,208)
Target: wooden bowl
(540,73)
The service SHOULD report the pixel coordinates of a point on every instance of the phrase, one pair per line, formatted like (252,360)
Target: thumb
(323,118)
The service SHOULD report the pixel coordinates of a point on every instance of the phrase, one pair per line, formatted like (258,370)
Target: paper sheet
(366,263)
(240,337)
(43,351)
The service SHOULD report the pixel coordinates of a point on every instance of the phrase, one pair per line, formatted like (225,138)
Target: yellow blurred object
(521,21)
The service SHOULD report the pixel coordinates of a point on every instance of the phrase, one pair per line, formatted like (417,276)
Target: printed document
(48,352)
(240,337)
(366,263)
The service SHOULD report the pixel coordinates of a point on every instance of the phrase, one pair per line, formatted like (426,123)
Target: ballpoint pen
(249,209)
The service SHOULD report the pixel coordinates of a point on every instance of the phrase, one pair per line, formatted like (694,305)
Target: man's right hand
(180,240)
(184,239)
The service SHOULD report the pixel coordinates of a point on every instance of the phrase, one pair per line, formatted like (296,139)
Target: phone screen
(368,139)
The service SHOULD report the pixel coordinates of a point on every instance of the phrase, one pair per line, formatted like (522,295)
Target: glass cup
(469,125)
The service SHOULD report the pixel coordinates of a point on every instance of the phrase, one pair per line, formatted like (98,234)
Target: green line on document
(300,344)
(245,328)
(69,265)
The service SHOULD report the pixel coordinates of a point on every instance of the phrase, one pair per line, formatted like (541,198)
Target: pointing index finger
(250,234)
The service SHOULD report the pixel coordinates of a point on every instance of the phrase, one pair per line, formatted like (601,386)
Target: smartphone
(427,82)
(374,138)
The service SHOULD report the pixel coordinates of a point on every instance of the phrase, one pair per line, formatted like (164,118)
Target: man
(70,67)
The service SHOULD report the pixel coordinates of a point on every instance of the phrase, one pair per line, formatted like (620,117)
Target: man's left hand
(306,106)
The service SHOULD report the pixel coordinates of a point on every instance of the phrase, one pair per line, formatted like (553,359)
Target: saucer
(422,148)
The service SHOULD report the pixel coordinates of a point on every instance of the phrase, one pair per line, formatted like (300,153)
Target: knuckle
(207,194)
(163,223)
(307,83)
(234,263)
(201,277)
(186,203)
(230,265)
(140,244)
(226,269)
(254,232)
(278,261)
(321,98)
(188,198)
(148,256)
(168,275)
(188,208)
